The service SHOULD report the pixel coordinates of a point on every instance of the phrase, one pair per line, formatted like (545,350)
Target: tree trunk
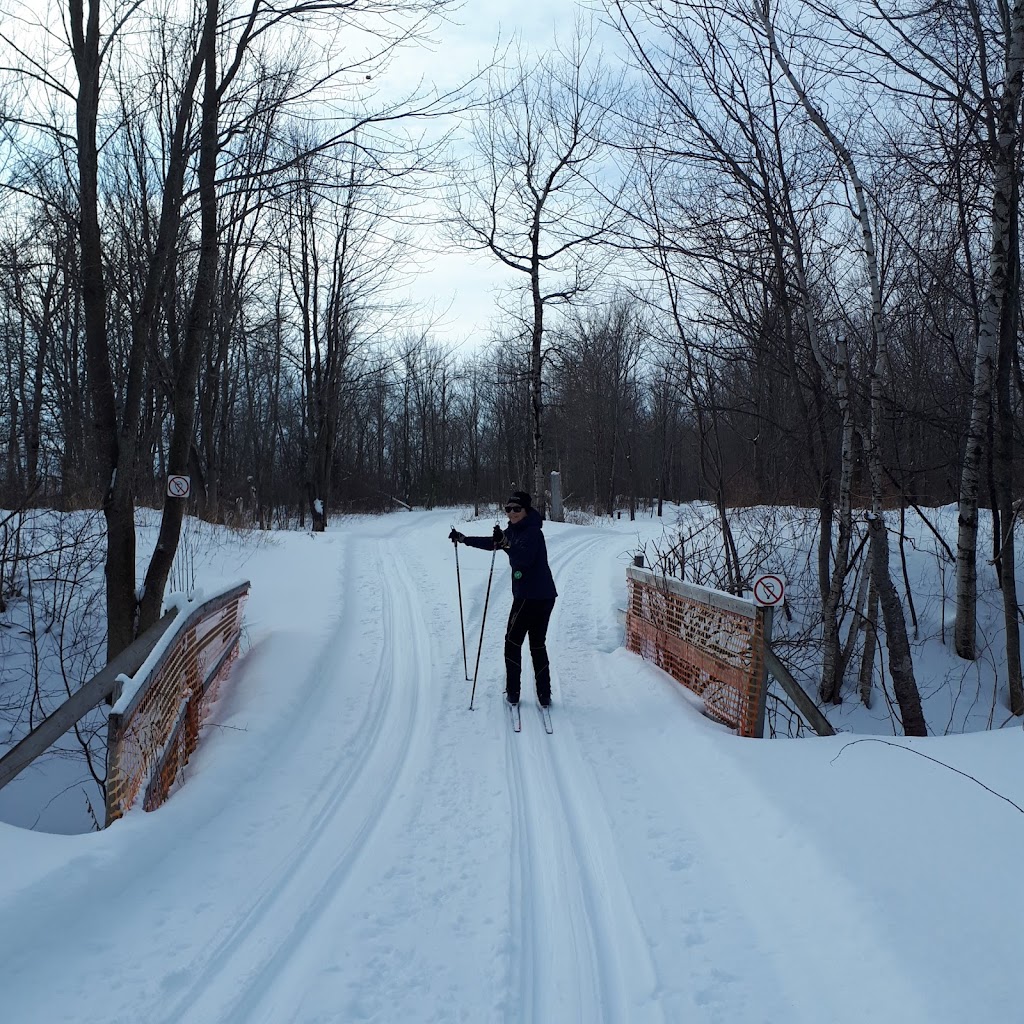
(536,391)
(197,334)
(832,662)
(870,628)
(115,482)
(900,662)
(1000,277)
(1003,457)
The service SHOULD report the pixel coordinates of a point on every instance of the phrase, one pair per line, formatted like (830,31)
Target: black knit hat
(519,498)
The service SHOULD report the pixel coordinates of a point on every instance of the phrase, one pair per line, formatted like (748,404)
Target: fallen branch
(935,760)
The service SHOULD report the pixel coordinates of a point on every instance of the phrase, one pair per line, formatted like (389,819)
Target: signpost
(179,486)
(769,590)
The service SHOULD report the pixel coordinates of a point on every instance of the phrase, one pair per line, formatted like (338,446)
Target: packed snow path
(353,844)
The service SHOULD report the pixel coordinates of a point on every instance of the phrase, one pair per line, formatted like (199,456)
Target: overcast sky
(459,291)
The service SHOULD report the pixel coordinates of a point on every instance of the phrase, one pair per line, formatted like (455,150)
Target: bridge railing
(154,724)
(712,642)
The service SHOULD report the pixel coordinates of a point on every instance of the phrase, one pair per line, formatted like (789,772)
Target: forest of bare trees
(769,254)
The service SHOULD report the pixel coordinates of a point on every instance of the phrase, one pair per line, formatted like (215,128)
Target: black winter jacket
(528,556)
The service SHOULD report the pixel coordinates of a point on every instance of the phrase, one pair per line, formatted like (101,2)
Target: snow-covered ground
(353,844)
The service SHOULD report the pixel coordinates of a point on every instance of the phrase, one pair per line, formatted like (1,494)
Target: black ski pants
(528,616)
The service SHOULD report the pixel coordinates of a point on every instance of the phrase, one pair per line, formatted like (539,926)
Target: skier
(533,592)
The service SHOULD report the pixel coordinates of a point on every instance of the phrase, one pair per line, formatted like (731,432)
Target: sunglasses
(513,508)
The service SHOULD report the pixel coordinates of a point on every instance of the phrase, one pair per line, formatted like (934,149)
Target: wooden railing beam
(797,694)
(81,702)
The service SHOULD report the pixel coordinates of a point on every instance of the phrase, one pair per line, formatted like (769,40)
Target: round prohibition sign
(179,486)
(769,590)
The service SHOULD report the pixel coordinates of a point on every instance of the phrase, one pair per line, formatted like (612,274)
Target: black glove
(455,536)
(500,540)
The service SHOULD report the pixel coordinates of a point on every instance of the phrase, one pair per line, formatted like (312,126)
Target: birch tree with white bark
(901,663)
(964,59)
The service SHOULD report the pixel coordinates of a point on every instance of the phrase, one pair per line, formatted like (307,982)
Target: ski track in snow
(248,975)
(367,824)
(578,949)
(566,871)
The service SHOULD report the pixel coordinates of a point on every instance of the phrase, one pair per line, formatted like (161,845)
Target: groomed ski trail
(257,963)
(594,965)
(361,846)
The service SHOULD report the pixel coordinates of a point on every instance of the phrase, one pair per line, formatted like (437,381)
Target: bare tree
(958,69)
(728,212)
(202,91)
(531,200)
(595,386)
(900,661)
(338,262)
(999,318)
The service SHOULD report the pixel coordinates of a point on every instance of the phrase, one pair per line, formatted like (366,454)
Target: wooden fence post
(766,615)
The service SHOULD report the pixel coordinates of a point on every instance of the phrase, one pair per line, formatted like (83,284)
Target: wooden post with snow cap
(767,618)
(557,512)
(768,590)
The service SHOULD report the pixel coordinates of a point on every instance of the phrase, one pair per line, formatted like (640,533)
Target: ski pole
(462,621)
(487,598)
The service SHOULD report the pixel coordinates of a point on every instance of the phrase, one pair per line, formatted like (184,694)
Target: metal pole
(483,621)
(462,621)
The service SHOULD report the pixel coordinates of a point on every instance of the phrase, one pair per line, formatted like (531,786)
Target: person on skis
(533,592)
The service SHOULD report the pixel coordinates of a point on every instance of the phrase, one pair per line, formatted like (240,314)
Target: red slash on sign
(769,590)
(179,486)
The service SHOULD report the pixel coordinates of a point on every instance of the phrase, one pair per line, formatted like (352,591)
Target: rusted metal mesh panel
(715,652)
(153,740)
